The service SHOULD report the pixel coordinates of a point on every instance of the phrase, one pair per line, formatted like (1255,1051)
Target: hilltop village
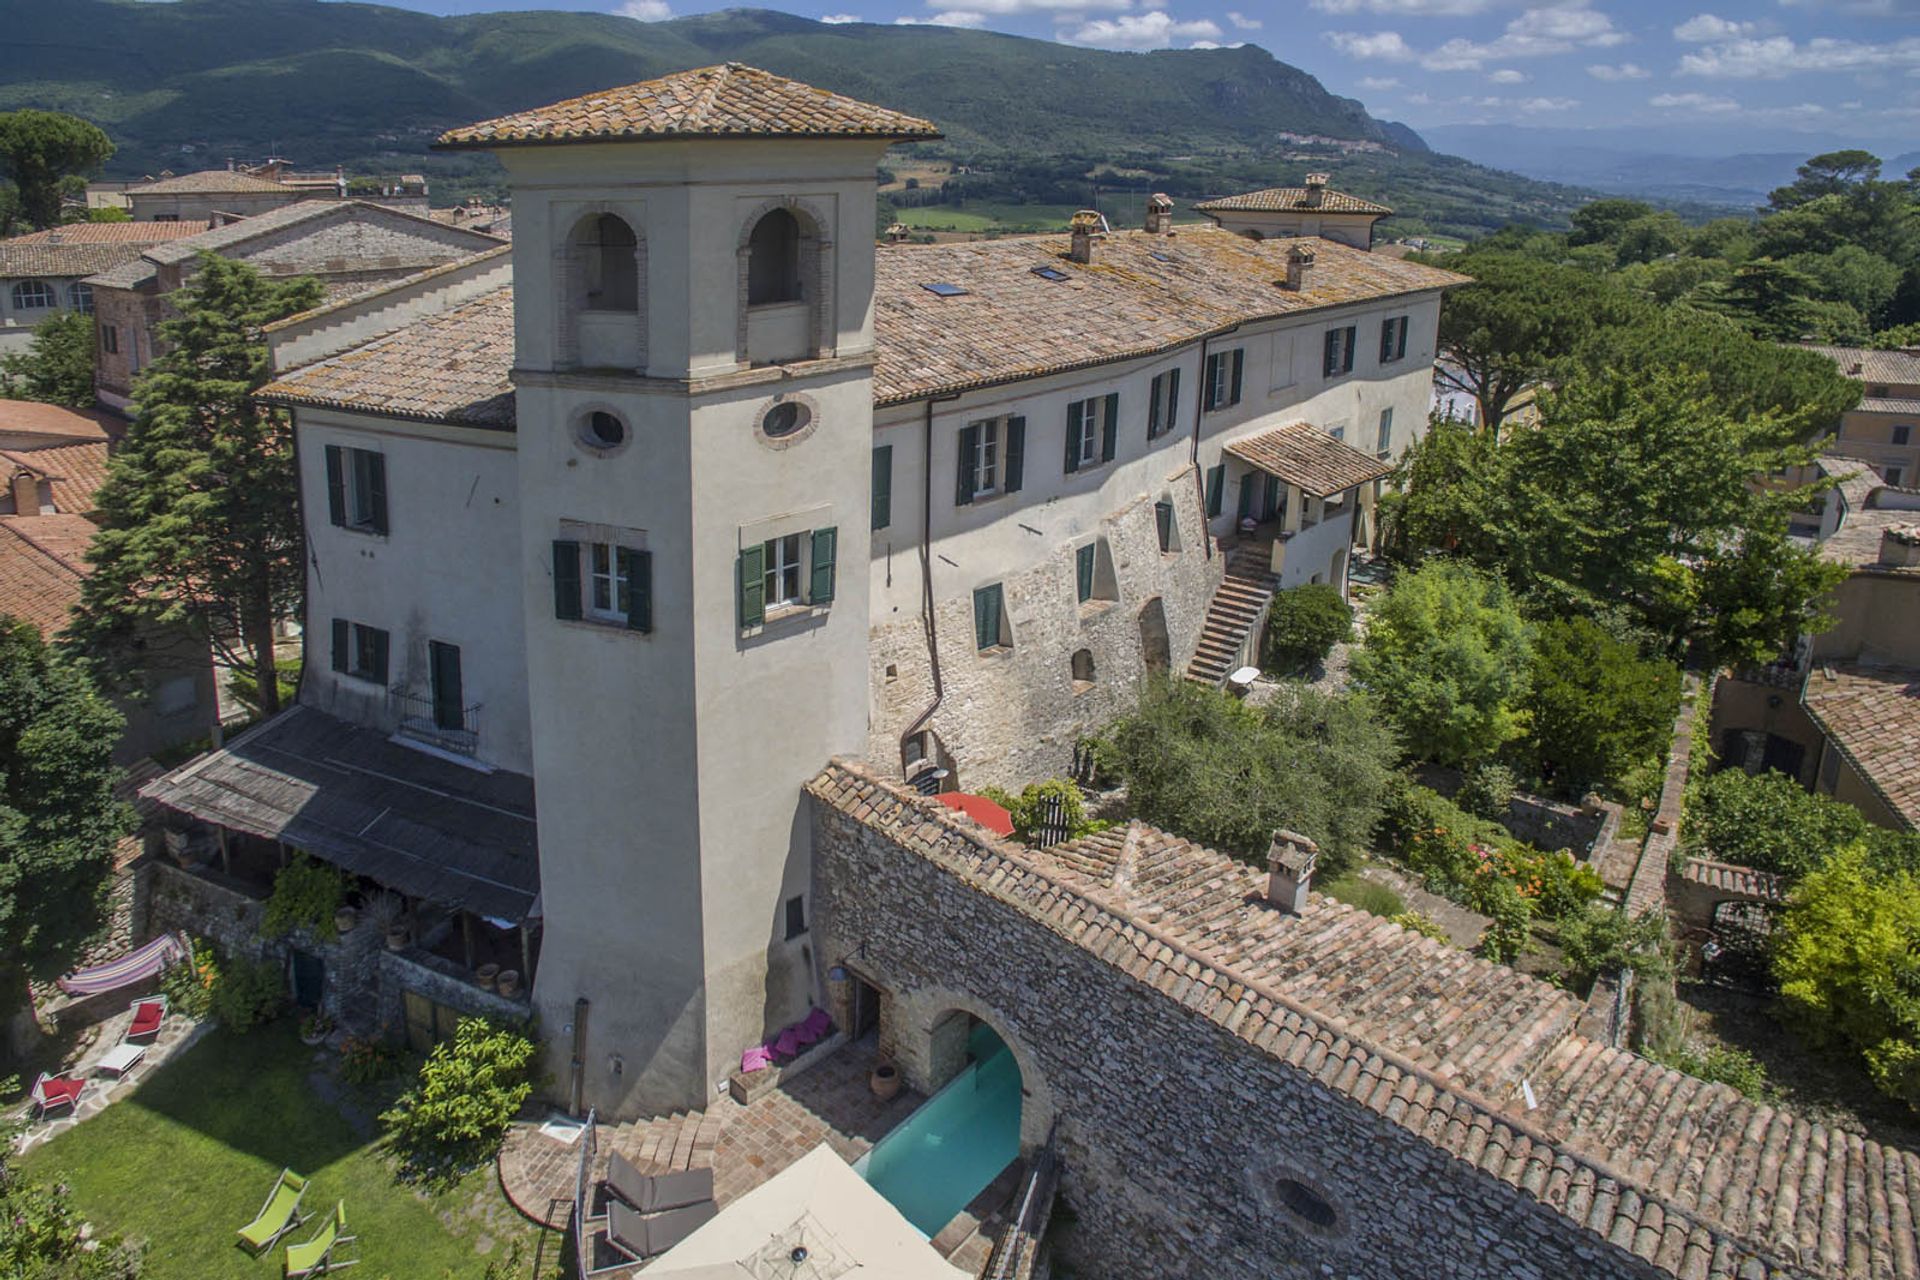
(738,683)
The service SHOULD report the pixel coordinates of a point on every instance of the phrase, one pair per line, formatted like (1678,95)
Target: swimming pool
(943,1154)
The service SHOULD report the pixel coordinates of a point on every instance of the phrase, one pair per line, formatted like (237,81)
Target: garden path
(177,1033)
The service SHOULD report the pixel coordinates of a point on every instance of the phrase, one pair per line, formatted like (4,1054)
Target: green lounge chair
(315,1257)
(279,1214)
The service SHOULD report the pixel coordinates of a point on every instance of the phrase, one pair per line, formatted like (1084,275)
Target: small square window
(796,916)
(1895,475)
(990,630)
(1902,434)
(783,571)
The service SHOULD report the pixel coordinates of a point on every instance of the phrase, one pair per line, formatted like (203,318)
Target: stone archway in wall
(1156,650)
(931,1032)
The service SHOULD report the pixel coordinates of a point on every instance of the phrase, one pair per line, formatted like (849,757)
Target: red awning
(980,809)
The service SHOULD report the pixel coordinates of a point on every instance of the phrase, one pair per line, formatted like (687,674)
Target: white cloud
(1507,75)
(1412,8)
(951,18)
(1385,46)
(1379,84)
(1693,103)
(839,19)
(1777,56)
(1242,22)
(1155,30)
(1005,8)
(646,10)
(1625,71)
(1705,28)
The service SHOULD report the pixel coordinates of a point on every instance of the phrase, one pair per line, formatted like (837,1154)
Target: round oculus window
(603,430)
(784,419)
(1307,1204)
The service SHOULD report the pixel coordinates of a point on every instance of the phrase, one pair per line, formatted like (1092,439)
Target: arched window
(32,295)
(609,276)
(1082,668)
(773,260)
(80,296)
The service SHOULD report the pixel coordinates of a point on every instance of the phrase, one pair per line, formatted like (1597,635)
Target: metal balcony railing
(424,720)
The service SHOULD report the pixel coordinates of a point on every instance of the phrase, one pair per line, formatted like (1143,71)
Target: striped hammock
(140,963)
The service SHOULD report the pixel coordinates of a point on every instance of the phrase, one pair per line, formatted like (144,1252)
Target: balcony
(435,723)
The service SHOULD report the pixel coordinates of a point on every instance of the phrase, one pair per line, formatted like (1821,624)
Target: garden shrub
(1425,926)
(1596,709)
(1599,939)
(247,992)
(188,985)
(364,1060)
(1435,837)
(1029,809)
(1512,917)
(1486,790)
(1556,884)
(1771,822)
(305,896)
(1303,625)
(456,1114)
(1723,1064)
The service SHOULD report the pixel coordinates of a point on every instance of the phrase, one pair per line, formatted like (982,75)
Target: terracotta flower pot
(885,1081)
(345,918)
(486,975)
(508,982)
(396,937)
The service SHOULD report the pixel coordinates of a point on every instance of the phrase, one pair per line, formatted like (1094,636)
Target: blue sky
(1766,74)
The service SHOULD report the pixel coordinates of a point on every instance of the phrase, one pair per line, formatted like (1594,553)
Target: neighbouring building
(348,245)
(1884,428)
(1312,210)
(44,273)
(207,195)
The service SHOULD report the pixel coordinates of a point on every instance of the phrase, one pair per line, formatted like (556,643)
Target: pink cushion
(757,1058)
(816,1024)
(786,1044)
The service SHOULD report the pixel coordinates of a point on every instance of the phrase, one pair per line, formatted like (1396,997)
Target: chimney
(1900,546)
(1159,214)
(1085,225)
(1316,189)
(897,233)
(1299,267)
(1290,863)
(26,493)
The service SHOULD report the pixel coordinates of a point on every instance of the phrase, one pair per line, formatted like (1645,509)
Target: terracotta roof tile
(42,560)
(1871,714)
(1729,877)
(730,100)
(1290,199)
(1306,456)
(209,182)
(1892,368)
(55,421)
(1699,1180)
(75,470)
(85,248)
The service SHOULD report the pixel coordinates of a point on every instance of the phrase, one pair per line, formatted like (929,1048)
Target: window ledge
(1081,686)
(786,616)
(996,651)
(1095,608)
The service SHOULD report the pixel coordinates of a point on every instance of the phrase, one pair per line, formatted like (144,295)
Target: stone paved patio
(177,1033)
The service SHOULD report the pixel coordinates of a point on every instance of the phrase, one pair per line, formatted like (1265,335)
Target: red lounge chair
(148,1014)
(56,1091)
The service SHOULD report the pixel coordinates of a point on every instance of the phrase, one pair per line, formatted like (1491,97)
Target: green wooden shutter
(1154,392)
(964,478)
(1386,340)
(377,490)
(566,580)
(820,564)
(336,485)
(882,486)
(1211,376)
(379,672)
(1163,524)
(637,566)
(1216,488)
(1013,463)
(1239,367)
(1173,400)
(1076,424)
(986,616)
(342,646)
(1330,356)
(1084,572)
(752,585)
(1110,429)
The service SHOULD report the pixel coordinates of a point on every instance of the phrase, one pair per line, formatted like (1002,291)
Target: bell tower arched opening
(784,291)
(603,294)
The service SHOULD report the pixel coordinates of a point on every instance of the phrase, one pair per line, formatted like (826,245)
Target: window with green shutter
(1163,525)
(882,504)
(989,620)
(966,474)
(1163,404)
(357,489)
(1016,459)
(820,566)
(636,570)
(1216,488)
(1110,427)
(566,580)
(750,585)
(360,651)
(1083,572)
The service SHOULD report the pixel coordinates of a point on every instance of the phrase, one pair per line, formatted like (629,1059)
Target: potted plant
(344,918)
(315,1028)
(507,983)
(885,1080)
(486,975)
(389,913)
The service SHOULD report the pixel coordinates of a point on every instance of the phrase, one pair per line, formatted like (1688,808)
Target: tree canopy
(199,515)
(1595,708)
(57,366)
(40,151)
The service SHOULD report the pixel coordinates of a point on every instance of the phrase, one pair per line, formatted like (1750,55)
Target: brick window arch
(600,274)
(785,258)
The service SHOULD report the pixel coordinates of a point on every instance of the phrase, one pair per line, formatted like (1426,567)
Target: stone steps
(1237,604)
(666,1144)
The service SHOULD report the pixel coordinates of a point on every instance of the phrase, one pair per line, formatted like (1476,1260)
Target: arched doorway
(948,1151)
(1156,653)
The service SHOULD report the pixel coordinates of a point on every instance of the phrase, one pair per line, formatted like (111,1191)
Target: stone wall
(1012,716)
(1176,1137)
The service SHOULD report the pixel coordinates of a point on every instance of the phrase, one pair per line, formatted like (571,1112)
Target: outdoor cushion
(814,1026)
(786,1044)
(758,1058)
(57,1091)
(625,1181)
(678,1190)
(147,1016)
(648,1235)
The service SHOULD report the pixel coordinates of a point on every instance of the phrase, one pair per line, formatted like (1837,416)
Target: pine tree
(199,516)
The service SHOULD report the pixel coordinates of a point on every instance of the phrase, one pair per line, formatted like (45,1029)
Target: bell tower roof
(726,101)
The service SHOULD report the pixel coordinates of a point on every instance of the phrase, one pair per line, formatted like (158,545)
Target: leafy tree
(40,150)
(57,365)
(1645,239)
(470,1088)
(59,821)
(1771,822)
(1770,299)
(199,513)
(1852,275)
(1831,173)
(1602,221)
(1847,956)
(1595,707)
(1303,625)
(1444,488)
(1601,939)
(1448,656)
(1206,766)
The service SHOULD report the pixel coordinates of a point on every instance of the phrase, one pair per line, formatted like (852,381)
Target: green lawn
(185,1161)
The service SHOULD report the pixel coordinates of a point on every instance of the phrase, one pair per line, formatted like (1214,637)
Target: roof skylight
(1050,273)
(945,290)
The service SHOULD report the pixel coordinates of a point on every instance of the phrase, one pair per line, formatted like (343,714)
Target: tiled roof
(75,470)
(1857,542)
(1872,714)
(208,182)
(1893,368)
(1010,324)
(1690,1176)
(1889,404)
(1141,294)
(1727,877)
(1291,199)
(1306,456)
(730,100)
(85,248)
(42,560)
(54,421)
(451,367)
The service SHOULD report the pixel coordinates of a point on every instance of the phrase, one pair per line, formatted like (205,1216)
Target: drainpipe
(926,573)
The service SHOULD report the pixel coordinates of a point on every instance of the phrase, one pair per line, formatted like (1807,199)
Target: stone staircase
(1238,604)
(666,1144)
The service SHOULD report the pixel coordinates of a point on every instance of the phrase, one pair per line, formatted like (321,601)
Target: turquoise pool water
(942,1155)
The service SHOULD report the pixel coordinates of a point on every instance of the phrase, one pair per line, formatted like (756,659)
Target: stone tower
(693,267)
